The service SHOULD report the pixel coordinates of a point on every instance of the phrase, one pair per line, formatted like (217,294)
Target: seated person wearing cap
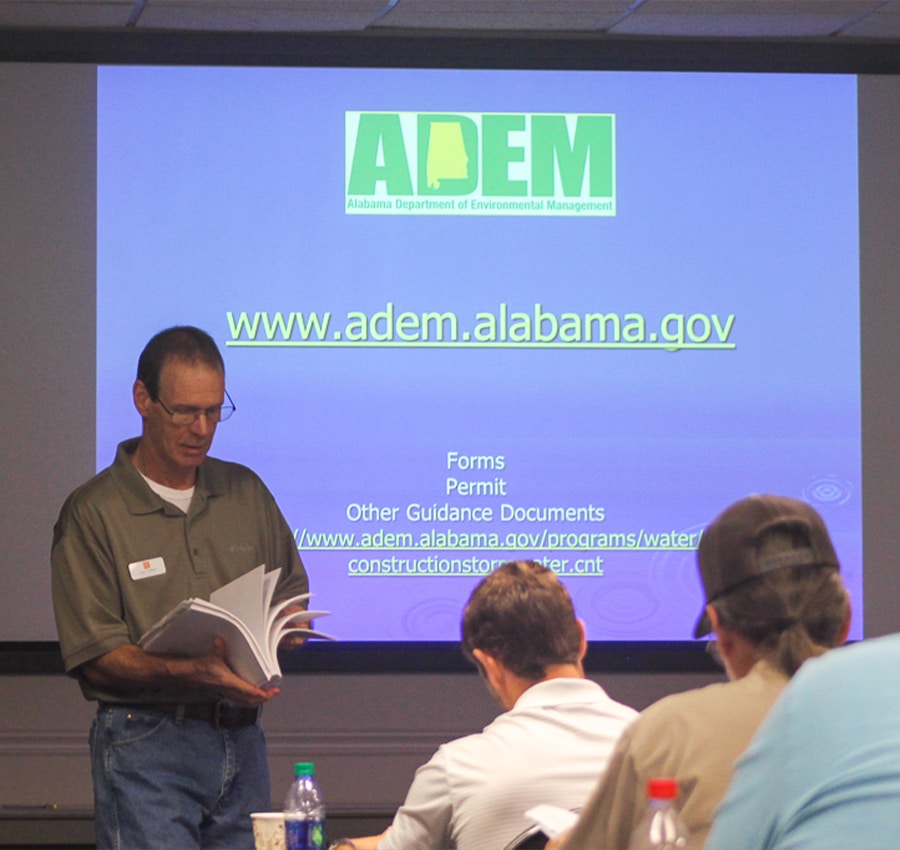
(774,598)
(556,735)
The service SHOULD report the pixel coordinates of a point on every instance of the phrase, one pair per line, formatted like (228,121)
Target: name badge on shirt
(147,568)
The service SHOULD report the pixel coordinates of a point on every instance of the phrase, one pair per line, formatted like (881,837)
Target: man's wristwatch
(342,842)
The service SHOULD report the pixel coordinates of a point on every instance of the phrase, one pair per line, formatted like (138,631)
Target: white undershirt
(180,498)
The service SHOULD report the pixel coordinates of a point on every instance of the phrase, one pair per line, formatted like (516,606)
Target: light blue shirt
(823,771)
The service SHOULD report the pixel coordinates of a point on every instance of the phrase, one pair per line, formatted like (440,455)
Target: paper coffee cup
(268,830)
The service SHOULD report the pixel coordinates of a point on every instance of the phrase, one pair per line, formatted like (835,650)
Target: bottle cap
(304,768)
(662,788)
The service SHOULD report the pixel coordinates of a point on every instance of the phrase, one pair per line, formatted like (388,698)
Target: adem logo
(424,163)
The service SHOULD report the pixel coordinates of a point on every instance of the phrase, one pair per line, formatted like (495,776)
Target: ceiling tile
(260,15)
(743,18)
(81,14)
(884,24)
(759,19)
(528,15)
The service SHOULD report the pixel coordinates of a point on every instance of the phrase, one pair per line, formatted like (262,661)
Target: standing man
(178,755)
(556,734)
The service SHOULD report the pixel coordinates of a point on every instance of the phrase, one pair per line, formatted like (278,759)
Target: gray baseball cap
(730,549)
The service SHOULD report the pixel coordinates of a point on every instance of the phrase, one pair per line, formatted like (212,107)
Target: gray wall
(366,733)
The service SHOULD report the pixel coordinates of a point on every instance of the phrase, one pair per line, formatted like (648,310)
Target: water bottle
(660,828)
(304,811)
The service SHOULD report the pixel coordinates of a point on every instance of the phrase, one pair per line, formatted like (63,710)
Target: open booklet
(552,820)
(242,614)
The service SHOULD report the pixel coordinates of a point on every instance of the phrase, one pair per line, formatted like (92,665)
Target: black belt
(221,714)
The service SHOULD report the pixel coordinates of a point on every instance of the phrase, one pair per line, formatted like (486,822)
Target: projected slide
(470,316)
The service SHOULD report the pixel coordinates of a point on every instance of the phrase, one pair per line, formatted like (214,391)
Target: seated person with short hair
(774,597)
(556,734)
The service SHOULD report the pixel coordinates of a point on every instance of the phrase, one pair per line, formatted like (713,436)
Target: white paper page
(274,612)
(192,630)
(279,627)
(270,579)
(243,597)
(301,630)
(552,819)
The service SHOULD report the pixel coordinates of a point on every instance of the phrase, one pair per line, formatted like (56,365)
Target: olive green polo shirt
(123,557)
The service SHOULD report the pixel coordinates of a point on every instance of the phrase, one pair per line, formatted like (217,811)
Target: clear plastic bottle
(660,828)
(304,811)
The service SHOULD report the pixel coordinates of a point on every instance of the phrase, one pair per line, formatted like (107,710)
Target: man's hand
(556,843)
(173,678)
(213,670)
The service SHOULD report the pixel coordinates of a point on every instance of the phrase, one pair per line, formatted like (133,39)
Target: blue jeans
(163,783)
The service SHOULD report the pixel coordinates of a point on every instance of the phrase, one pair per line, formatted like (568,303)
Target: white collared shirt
(551,747)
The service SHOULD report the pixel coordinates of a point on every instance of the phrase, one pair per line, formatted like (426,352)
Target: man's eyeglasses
(183,415)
